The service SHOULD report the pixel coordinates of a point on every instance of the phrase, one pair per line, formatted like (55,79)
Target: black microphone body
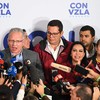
(34,74)
(59,81)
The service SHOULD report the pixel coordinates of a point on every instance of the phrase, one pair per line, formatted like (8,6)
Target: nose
(83,38)
(14,43)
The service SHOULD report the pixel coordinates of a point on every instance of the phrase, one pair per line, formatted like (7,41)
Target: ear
(62,33)
(93,38)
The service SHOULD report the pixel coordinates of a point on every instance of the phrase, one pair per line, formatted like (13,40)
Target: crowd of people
(36,79)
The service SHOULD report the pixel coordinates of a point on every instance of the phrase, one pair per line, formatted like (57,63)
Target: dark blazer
(32,56)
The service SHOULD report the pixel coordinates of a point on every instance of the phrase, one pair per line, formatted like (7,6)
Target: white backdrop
(33,15)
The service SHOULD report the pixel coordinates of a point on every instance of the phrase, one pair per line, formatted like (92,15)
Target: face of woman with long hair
(77,54)
(98,48)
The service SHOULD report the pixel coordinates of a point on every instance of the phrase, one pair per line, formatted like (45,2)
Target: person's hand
(24,79)
(96,93)
(92,74)
(24,82)
(70,87)
(2,79)
(40,87)
(33,87)
(8,83)
(89,64)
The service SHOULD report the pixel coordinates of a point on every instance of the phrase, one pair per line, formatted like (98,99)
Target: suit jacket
(36,68)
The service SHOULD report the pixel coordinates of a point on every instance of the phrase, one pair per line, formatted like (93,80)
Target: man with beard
(87,36)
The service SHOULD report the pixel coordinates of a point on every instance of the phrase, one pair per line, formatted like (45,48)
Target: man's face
(86,38)
(53,35)
(26,41)
(15,42)
(98,49)
(73,94)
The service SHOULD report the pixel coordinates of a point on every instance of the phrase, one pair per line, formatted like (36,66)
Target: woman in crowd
(96,58)
(77,56)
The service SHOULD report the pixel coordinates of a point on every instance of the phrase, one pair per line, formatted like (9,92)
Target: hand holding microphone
(34,75)
(12,70)
(58,78)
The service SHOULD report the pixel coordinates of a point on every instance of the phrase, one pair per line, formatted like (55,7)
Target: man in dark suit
(15,43)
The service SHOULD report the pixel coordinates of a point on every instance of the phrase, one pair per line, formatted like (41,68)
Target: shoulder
(66,42)
(29,52)
(6,51)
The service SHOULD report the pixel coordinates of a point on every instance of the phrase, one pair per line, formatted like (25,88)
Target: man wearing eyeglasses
(15,42)
(53,49)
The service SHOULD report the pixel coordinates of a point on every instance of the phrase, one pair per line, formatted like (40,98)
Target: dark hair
(57,23)
(5,93)
(84,60)
(98,42)
(87,27)
(84,92)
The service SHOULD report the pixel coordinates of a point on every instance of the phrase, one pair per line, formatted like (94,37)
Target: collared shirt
(91,53)
(54,53)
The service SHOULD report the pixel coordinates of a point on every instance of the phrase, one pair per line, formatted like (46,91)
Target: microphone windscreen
(34,75)
(1,55)
(33,71)
(6,65)
(54,73)
(12,71)
(19,66)
(1,61)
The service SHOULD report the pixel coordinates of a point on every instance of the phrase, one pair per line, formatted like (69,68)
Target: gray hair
(16,30)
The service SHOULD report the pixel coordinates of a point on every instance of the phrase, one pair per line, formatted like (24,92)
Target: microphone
(61,67)
(12,71)
(2,67)
(34,74)
(19,66)
(58,78)
(1,60)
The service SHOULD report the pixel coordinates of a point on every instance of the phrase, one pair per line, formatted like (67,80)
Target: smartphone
(80,69)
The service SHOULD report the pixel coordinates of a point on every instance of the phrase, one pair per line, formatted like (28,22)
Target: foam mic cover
(12,71)
(1,55)
(56,76)
(33,71)
(59,80)
(6,65)
(1,61)
(19,66)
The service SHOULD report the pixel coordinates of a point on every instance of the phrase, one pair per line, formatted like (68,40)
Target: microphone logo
(12,71)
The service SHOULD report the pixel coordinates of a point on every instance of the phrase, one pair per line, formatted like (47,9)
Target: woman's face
(77,53)
(98,49)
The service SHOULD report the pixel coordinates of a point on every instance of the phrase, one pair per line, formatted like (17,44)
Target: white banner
(33,15)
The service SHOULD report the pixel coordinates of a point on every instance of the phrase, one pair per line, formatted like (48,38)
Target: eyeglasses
(15,41)
(54,34)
